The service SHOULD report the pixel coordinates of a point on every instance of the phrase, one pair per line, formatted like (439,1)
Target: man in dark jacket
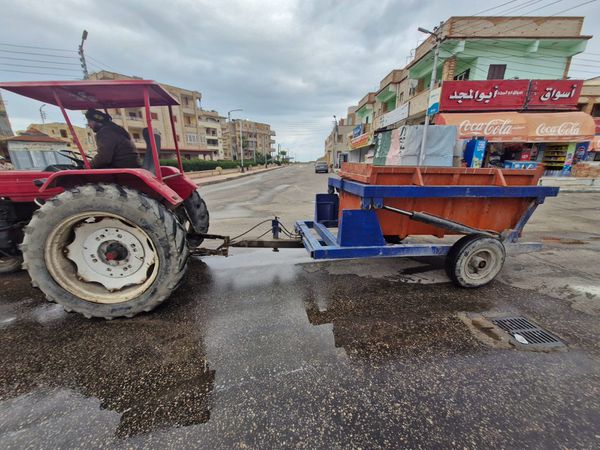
(114,145)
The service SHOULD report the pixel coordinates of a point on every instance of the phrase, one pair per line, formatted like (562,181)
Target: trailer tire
(197,212)
(475,260)
(57,251)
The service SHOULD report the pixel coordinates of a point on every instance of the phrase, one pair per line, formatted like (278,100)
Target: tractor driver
(114,145)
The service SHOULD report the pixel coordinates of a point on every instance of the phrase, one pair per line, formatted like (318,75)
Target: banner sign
(357,130)
(493,95)
(433,103)
(364,140)
(394,116)
(483,95)
(554,94)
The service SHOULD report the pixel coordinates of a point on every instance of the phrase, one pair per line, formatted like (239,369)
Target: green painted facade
(524,58)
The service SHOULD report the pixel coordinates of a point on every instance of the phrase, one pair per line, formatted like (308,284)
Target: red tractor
(101,242)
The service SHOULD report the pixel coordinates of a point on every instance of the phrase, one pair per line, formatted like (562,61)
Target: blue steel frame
(359,233)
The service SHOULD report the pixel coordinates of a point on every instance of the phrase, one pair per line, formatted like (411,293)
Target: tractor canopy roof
(97,94)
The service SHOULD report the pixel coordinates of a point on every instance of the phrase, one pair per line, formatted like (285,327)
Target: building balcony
(272,133)
(418,103)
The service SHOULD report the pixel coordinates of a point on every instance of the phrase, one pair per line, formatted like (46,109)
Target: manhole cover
(526,333)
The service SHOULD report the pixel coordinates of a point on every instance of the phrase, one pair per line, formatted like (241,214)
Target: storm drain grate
(527,333)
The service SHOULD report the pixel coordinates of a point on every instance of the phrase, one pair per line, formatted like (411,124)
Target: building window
(463,75)
(177,136)
(63,133)
(154,116)
(596,110)
(136,136)
(191,138)
(213,142)
(496,72)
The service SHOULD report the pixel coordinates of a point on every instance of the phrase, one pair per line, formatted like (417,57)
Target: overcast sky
(290,63)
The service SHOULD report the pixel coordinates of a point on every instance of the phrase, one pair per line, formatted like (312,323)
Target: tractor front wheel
(105,251)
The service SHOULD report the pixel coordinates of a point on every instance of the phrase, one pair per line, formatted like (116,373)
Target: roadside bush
(193,165)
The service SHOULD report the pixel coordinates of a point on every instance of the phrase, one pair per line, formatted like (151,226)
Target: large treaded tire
(464,271)
(197,212)
(159,224)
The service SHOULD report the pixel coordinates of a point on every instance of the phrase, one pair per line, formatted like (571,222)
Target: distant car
(321,166)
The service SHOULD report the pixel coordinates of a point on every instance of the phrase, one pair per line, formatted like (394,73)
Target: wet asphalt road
(271,350)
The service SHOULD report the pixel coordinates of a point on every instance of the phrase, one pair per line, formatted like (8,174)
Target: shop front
(362,147)
(524,140)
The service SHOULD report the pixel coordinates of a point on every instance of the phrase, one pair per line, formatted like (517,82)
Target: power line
(36,73)
(36,67)
(523,6)
(36,54)
(38,48)
(494,7)
(40,61)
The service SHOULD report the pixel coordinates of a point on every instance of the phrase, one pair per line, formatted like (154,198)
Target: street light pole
(82,56)
(234,132)
(43,114)
(436,53)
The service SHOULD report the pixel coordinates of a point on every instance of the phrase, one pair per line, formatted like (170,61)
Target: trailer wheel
(475,260)
(105,251)
(197,213)
(10,263)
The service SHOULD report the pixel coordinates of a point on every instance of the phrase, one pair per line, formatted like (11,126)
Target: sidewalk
(206,181)
(572,184)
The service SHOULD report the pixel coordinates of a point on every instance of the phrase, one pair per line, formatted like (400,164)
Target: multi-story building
(5,128)
(338,141)
(188,117)
(61,131)
(473,49)
(256,138)
(589,102)
(211,131)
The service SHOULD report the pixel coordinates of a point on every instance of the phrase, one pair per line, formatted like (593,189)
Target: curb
(240,175)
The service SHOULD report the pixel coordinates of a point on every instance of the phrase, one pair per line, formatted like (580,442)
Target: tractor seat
(148,162)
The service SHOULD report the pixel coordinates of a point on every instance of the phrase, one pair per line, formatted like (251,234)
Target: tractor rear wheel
(197,213)
(103,250)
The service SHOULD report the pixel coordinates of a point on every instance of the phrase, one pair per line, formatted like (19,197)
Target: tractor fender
(139,179)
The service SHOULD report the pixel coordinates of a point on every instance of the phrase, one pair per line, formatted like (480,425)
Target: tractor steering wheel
(78,162)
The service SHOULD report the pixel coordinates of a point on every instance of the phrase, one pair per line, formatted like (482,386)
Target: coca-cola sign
(496,127)
(563,129)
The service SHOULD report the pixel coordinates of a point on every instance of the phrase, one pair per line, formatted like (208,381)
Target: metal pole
(151,134)
(174,131)
(43,114)
(86,163)
(82,56)
(436,53)
(241,144)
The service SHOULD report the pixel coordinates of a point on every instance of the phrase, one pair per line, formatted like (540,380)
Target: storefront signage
(364,140)
(483,95)
(554,94)
(493,95)
(357,130)
(433,103)
(394,116)
(522,127)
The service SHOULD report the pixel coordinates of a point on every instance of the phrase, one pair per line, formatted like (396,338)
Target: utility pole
(86,75)
(335,130)
(241,144)
(43,114)
(234,132)
(436,53)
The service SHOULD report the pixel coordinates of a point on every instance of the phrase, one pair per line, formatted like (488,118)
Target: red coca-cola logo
(495,127)
(565,128)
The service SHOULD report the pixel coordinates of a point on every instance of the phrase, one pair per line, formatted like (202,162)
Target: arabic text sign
(554,94)
(396,115)
(483,95)
(433,102)
(364,140)
(357,130)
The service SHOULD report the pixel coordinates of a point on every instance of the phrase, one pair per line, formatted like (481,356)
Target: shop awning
(574,126)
